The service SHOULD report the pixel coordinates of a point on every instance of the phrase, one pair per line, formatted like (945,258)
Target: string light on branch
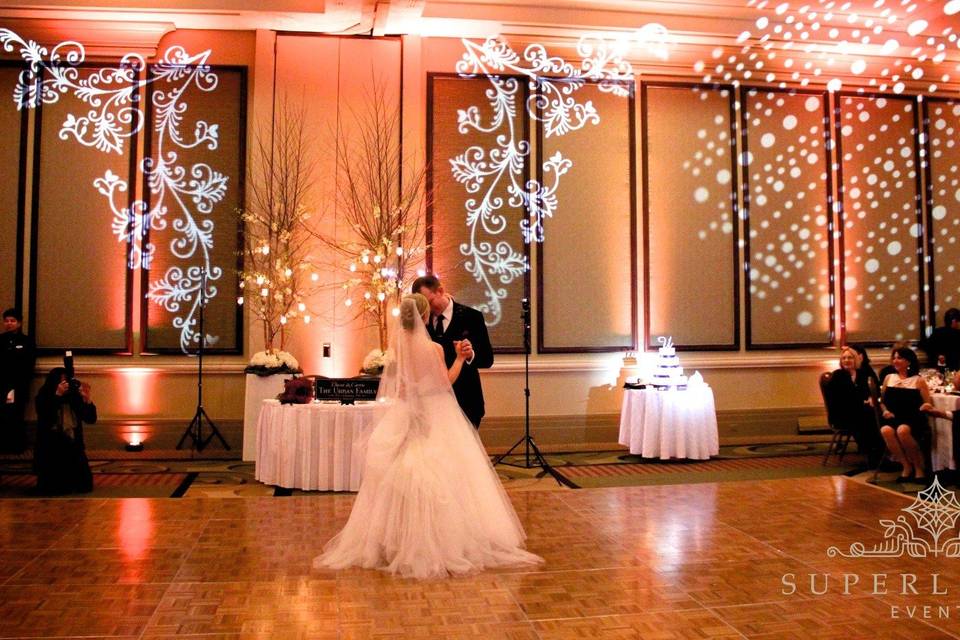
(276,251)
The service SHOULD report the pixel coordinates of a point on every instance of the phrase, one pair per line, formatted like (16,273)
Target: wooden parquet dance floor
(683,561)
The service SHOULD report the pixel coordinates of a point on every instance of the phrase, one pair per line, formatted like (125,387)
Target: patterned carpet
(750,462)
(128,475)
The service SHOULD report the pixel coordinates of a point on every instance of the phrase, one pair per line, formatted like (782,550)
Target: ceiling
(730,40)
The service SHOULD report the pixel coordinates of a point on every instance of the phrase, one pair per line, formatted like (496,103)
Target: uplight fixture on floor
(134,446)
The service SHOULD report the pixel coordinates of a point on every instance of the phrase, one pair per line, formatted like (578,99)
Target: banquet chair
(841,433)
(887,456)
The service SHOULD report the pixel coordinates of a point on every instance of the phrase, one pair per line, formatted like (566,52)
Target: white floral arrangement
(266,363)
(374,362)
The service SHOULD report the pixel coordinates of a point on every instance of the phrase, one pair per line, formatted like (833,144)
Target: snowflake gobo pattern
(935,512)
(185,194)
(552,99)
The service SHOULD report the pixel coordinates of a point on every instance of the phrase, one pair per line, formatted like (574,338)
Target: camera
(68,366)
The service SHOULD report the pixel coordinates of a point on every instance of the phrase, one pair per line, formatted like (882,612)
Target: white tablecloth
(313,446)
(670,424)
(941,450)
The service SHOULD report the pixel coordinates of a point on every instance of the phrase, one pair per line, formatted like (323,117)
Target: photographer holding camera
(60,459)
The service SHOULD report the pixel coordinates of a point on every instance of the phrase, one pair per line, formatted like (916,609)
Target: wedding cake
(668,373)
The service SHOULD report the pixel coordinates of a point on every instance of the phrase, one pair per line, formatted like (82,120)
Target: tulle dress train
(430,503)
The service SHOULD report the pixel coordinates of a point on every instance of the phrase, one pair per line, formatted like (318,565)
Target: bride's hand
(461,349)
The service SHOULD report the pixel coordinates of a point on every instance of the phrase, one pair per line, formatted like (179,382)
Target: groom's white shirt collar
(448,312)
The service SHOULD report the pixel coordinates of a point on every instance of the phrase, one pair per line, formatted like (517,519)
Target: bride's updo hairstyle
(411,307)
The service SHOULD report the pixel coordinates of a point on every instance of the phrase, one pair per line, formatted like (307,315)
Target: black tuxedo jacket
(468,323)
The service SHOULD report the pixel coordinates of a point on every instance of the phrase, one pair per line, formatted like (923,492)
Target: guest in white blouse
(906,403)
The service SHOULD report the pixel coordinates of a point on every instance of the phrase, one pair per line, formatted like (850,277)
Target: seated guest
(866,368)
(60,459)
(850,406)
(944,341)
(905,403)
(887,370)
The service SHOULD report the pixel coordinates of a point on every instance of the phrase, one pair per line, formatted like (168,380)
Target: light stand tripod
(195,429)
(537,459)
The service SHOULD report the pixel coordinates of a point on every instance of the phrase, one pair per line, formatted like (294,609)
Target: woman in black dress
(906,403)
(60,459)
(850,406)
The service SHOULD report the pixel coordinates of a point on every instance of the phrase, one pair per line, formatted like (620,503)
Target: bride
(430,503)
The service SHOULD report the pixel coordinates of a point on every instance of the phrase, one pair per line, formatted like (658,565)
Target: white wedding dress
(430,503)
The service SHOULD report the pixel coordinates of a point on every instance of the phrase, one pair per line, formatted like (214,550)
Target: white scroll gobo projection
(183,196)
(551,102)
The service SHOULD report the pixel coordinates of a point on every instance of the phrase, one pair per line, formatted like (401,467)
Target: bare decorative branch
(381,199)
(277,275)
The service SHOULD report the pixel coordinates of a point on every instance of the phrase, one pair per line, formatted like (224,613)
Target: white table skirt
(941,450)
(670,424)
(314,446)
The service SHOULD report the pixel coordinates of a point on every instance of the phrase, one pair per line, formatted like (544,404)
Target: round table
(670,423)
(314,446)
(942,449)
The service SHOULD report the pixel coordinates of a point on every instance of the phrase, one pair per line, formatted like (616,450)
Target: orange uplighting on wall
(136,390)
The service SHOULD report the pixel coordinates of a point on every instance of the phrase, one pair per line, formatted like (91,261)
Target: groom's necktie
(438,328)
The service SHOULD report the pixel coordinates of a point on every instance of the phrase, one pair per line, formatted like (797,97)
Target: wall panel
(588,256)
(476,223)
(788,194)
(81,285)
(880,220)
(12,131)
(943,204)
(691,227)
(177,249)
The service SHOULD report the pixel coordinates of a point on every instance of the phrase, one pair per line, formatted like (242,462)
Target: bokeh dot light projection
(786,185)
(880,226)
(884,45)
(944,194)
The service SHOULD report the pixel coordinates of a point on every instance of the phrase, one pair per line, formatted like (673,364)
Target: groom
(452,322)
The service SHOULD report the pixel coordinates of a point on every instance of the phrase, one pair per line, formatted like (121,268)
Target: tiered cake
(668,373)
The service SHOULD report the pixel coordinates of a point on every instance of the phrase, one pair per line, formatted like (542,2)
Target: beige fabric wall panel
(789,239)
(81,276)
(944,209)
(691,225)
(587,253)
(225,106)
(880,220)
(463,252)
(10,132)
